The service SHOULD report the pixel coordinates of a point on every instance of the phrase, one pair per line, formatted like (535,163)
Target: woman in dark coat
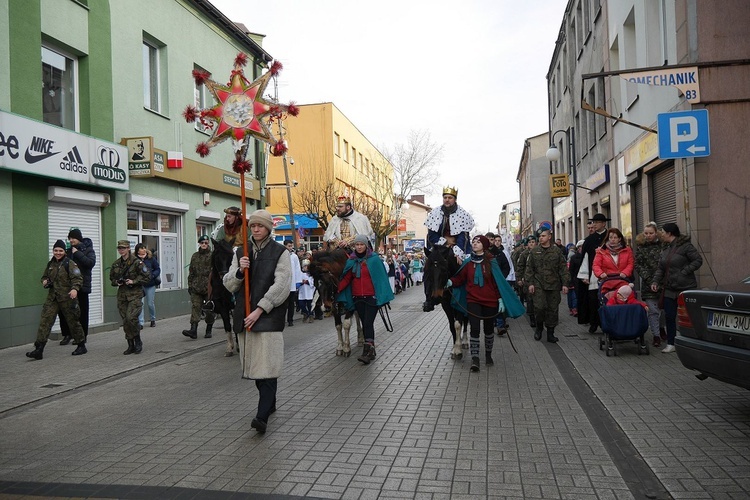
(647,252)
(676,273)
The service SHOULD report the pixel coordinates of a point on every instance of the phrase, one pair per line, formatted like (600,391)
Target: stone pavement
(551,421)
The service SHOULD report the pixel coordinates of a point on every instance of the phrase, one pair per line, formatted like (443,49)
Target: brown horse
(441,264)
(326,268)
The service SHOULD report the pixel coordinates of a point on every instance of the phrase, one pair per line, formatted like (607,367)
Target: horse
(441,264)
(325,269)
(220,300)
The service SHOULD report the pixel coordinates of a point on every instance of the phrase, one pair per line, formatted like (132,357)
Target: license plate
(739,323)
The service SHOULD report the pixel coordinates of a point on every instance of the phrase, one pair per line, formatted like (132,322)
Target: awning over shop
(300,221)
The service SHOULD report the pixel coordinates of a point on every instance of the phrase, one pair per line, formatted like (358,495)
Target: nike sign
(31,158)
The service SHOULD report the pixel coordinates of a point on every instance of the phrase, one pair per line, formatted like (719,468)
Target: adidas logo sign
(73,162)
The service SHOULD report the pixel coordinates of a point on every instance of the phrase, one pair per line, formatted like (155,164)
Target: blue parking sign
(683,134)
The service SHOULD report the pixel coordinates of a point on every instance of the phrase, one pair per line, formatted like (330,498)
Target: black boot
(368,354)
(538,331)
(80,349)
(138,344)
(193,332)
(488,358)
(38,351)
(532,321)
(131,347)
(475,364)
(65,340)
(208,331)
(551,335)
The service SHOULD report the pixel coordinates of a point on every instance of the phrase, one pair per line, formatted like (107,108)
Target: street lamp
(553,155)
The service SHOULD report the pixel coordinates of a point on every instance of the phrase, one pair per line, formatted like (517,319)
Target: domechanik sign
(37,148)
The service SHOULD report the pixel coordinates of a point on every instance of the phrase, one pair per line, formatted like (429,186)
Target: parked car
(714,330)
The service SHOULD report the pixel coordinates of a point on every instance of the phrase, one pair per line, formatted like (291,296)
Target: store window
(202,99)
(59,89)
(160,233)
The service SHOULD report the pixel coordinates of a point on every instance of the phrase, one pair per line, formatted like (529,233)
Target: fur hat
(233,211)
(485,241)
(75,233)
(262,217)
(60,244)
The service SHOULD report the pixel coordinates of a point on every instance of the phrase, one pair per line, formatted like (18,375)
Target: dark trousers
(267,400)
(367,310)
(290,305)
(670,317)
(592,297)
(481,318)
(83,304)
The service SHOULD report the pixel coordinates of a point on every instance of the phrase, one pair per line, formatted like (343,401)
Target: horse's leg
(229,351)
(360,330)
(340,345)
(464,331)
(456,353)
(347,329)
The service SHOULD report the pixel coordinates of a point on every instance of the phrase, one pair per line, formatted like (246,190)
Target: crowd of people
(267,282)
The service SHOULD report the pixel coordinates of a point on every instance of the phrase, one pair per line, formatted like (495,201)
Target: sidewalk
(553,421)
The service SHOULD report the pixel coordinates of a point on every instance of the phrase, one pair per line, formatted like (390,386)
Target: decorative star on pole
(241,112)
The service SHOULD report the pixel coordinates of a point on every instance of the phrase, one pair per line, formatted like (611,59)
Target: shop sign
(139,155)
(36,148)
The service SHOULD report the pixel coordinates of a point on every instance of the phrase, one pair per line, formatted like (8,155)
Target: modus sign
(685,79)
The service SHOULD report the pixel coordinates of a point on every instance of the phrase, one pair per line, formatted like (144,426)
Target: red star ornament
(241,109)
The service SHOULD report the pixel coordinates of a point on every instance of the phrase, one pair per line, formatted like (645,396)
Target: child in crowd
(623,296)
(305,294)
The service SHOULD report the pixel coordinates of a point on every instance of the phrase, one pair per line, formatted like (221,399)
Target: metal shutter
(663,194)
(636,200)
(62,217)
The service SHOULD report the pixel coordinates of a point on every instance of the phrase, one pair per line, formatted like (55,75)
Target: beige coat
(262,353)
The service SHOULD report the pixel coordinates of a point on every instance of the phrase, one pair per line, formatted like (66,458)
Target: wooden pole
(241,154)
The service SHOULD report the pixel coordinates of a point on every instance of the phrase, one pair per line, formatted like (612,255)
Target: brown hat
(233,211)
(123,244)
(262,217)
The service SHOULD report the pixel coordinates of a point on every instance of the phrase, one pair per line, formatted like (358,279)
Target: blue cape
(383,293)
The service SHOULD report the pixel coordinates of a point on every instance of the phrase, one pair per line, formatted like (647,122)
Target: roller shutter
(62,217)
(636,199)
(663,195)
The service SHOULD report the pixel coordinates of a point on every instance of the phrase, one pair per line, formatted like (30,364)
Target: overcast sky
(472,73)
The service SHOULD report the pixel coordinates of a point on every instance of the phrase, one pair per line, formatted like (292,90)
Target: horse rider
(229,234)
(345,225)
(447,225)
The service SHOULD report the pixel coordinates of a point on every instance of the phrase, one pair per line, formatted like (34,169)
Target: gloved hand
(500,306)
(448,284)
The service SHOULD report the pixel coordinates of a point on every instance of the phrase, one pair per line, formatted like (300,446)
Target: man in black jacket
(588,300)
(81,252)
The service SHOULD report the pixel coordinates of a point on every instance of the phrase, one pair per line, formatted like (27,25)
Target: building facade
(328,157)
(630,58)
(91,146)
(535,204)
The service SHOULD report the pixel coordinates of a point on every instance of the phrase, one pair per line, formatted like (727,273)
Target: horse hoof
(457,356)
(464,346)
(339,352)
(347,353)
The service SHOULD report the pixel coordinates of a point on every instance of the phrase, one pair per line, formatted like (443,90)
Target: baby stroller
(620,323)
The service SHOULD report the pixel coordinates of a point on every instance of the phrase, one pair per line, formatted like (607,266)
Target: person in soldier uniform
(129,274)
(447,225)
(523,257)
(63,279)
(345,225)
(198,276)
(260,329)
(545,274)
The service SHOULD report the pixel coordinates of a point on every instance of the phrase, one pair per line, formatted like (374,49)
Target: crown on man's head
(451,191)
(343,200)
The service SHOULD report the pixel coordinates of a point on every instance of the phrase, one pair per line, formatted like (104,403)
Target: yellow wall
(311,137)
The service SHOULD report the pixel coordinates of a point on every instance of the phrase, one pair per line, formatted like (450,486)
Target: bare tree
(377,209)
(414,164)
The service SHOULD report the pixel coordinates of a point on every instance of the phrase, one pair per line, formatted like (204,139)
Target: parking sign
(683,134)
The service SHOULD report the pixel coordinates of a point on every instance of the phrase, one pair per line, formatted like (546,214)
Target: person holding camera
(129,274)
(63,279)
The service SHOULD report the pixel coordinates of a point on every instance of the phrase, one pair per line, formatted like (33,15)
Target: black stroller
(620,323)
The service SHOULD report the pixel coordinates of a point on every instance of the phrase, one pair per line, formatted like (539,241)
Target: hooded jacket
(677,265)
(85,259)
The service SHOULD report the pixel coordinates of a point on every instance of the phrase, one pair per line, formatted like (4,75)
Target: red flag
(174,159)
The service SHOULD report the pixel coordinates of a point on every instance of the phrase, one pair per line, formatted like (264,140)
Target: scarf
(478,275)
(614,248)
(358,259)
